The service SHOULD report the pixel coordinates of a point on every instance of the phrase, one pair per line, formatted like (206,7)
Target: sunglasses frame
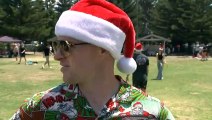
(64,46)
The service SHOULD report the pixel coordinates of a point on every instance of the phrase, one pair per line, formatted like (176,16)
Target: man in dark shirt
(46,52)
(139,77)
(22,53)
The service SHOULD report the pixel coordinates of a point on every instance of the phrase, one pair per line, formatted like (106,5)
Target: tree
(13,17)
(202,21)
(63,5)
(25,19)
(139,12)
(51,15)
(5,14)
(133,9)
(182,20)
(38,20)
(146,6)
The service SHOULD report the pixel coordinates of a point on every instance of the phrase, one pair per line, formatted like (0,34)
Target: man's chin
(68,81)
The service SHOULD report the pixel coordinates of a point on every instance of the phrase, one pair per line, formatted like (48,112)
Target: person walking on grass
(46,53)
(16,51)
(22,53)
(91,35)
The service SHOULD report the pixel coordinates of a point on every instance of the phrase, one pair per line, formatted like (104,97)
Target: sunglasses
(65,47)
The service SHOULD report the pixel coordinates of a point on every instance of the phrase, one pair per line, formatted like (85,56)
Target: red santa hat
(137,103)
(101,23)
(138,47)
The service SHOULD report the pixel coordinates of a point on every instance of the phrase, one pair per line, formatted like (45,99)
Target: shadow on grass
(155,79)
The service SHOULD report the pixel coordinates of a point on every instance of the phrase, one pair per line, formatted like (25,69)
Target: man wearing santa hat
(139,77)
(91,35)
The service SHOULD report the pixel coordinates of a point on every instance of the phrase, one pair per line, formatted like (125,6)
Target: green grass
(186,89)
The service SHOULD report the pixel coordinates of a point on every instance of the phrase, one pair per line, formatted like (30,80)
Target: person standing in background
(139,77)
(160,63)
(46,53)
(22,53)
(16,51)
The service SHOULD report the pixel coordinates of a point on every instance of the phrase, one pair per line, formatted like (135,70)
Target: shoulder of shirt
(138,93)
(144,56)
(138,96)
(33,103)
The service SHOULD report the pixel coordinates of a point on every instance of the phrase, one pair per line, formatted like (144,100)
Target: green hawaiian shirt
(66,102)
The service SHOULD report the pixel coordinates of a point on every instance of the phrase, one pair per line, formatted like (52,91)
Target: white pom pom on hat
(101,23)
(126,65)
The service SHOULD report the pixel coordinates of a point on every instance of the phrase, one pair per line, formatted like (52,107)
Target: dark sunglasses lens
(64,45)
(55,46)
(61,44)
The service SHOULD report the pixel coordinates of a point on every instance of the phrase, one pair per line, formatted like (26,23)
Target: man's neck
(100,91)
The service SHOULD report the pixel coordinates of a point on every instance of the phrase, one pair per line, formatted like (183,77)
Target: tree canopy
(180,20)
(184,21)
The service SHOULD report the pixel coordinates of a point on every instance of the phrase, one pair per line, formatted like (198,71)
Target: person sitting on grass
(204,54)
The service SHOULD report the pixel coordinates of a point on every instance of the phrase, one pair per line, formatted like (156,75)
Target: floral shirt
(66,102)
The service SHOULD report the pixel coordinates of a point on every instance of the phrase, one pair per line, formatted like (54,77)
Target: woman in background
(160,62)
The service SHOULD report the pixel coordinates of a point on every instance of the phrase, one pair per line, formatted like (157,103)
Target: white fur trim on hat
(136,50)
(91,29)
(126,65)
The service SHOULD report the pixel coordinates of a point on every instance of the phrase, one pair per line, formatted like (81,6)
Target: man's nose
(58,56)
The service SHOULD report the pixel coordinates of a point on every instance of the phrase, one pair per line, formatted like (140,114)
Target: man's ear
(103,51)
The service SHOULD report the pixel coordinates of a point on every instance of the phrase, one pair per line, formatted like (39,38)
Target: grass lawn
(186,89)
